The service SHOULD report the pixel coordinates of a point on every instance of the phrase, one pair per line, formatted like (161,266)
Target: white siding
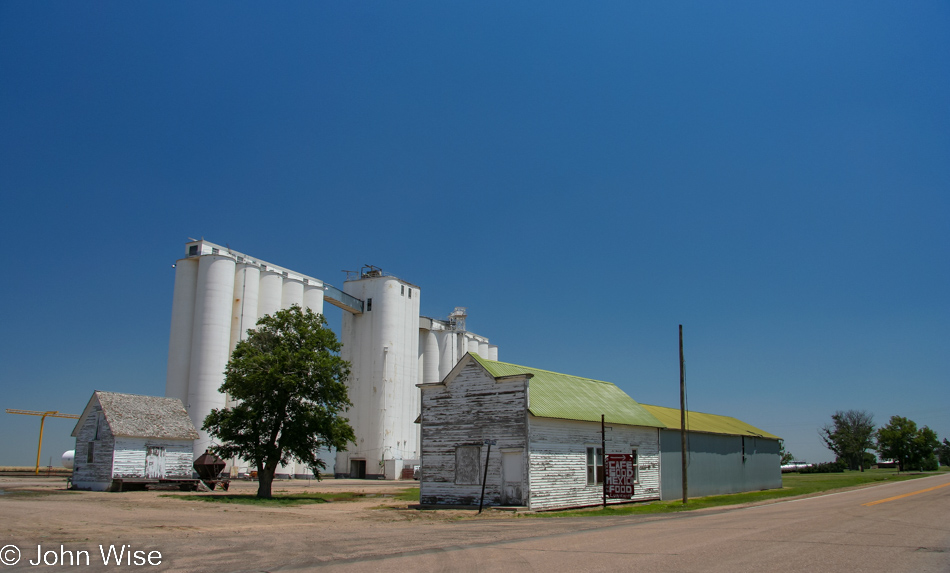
(470,409)
(98,474)
(129,458)
(558,462)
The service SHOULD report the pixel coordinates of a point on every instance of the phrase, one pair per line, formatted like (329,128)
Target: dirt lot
(200,536)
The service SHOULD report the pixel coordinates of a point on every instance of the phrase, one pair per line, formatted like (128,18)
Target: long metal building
(724,455)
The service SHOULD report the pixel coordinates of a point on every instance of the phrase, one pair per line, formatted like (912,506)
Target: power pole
(683,412)
(50,414)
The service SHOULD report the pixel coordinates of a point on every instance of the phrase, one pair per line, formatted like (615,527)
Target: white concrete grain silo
(220,294)
(382,346)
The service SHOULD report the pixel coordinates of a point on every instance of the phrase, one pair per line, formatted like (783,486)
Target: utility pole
(683,412)
(603,456)
(49,414)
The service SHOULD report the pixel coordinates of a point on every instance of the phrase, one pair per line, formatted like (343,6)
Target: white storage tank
(247,278)
(472,344)
(430,360)
(291,293)
(382,346)
(183,317)
(211,337)
(313,296)
(270,292)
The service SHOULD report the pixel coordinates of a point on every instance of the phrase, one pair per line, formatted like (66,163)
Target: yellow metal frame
(50,414)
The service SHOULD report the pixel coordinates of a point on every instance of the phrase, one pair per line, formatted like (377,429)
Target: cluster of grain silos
(219,295)
(442,343)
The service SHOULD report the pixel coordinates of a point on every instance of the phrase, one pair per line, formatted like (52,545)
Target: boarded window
(595,466)
(467,465)
(636,468)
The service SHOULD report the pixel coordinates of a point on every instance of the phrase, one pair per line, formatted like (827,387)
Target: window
(467,465)
(192,250)
(636,467)
(410,293)
(214,251)
(402,290)
(369,304)
(595,465)
(90,452)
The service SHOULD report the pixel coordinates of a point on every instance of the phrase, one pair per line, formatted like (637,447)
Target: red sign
(619,476)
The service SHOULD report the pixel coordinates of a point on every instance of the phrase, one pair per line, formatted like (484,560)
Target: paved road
(890,528)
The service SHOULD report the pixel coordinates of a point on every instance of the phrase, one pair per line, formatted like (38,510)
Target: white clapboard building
(127,438)
(544,431)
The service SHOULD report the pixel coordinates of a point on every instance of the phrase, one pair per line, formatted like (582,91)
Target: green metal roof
(708,423)
(554,395)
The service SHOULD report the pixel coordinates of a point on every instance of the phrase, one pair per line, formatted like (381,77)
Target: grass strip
(793,484)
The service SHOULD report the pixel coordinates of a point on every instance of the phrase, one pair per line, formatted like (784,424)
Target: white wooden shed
(127,438)
(545,430)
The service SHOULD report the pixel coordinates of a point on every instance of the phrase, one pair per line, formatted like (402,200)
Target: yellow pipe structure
(51,414)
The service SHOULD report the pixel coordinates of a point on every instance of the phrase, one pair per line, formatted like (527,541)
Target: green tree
(289,381)
(943,453)
(912,448)
(784,457)
(849,436)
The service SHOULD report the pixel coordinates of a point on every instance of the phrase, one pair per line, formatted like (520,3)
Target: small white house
(544,431)
(127,438)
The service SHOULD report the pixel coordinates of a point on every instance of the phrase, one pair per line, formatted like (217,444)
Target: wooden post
(683,412)
(485,477)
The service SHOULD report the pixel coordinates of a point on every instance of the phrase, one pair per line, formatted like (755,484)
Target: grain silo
(220,294)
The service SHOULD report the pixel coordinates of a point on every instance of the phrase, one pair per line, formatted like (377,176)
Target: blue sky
(584,178)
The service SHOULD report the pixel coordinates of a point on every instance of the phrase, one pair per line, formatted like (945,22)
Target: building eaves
(707,423)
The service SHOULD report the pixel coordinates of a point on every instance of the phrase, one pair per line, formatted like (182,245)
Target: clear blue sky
(583,177)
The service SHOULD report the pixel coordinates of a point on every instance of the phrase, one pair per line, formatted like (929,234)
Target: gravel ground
(200,536)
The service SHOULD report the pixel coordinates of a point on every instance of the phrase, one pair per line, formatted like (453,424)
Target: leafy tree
(289,381)
(785,457)
(912,448)
(849,436)
(943,453)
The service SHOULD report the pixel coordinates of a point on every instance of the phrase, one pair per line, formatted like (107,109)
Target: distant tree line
(852,433)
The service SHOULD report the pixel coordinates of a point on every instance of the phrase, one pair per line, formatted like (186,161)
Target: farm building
(544,433)
(724,455)
(126,438)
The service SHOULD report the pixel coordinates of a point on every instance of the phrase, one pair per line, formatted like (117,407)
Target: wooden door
(154,462)
(512,476)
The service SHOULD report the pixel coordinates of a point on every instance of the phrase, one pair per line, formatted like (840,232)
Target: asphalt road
(890,528)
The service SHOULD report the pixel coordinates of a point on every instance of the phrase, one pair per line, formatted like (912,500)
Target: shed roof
(707,423)
(135,416)
(555,395)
